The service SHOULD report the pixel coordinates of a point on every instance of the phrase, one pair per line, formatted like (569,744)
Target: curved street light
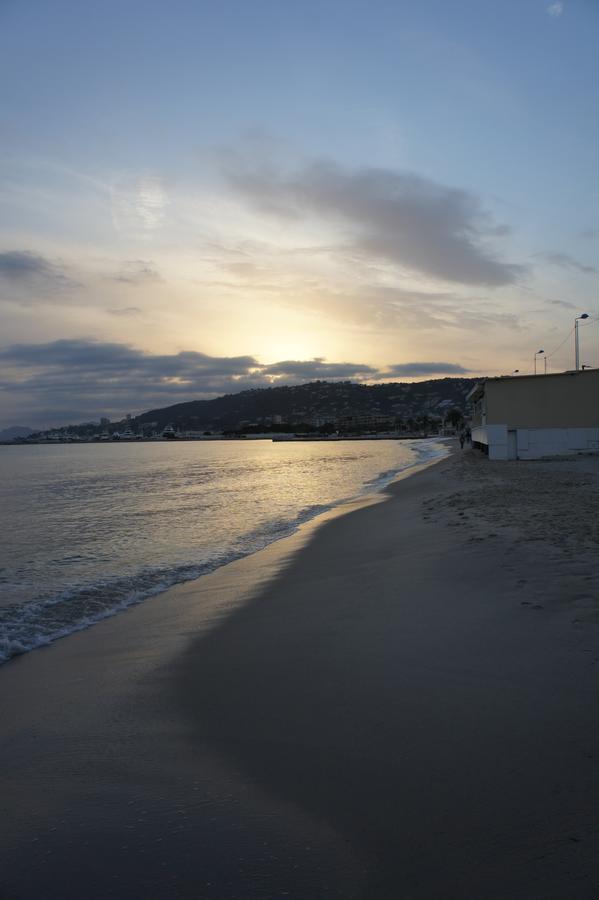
(576,351)
(538,353)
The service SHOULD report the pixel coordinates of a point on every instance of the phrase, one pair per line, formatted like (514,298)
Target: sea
(91,529)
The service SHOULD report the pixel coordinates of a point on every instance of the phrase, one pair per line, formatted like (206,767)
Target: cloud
(138,205)
(377,309)
(317,368)
(24,268)
(21,264)
(78,380)
(416,369)
(125,311)
(111,379)
(562,304)
(78,356)
(555,10)
(366,297)
(589,233)
(568,262)
(137,271)
(401,218)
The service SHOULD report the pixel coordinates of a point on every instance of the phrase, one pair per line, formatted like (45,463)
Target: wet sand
(397,703)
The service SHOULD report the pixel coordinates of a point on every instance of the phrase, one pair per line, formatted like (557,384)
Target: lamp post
(538,353)
(576,351)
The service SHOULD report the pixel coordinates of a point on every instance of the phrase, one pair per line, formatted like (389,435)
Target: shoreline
(261,436)
(17,640)
(373,706)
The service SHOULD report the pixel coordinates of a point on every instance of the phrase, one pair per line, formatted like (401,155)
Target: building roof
(479,387)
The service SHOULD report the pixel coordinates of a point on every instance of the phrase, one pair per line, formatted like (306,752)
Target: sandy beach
(397,702)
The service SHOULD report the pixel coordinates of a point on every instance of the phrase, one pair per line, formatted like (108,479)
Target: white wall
(534,443)
(495,437)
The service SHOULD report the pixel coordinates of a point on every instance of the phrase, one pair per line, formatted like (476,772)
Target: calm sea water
(91,529)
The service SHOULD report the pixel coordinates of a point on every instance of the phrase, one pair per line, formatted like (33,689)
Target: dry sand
(398,703)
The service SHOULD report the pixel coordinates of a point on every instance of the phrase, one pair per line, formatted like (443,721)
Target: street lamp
(538,353)
(576,352)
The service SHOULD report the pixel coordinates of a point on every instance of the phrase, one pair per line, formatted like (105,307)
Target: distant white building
(532,416)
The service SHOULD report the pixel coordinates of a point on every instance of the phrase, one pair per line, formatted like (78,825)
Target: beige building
(532,416)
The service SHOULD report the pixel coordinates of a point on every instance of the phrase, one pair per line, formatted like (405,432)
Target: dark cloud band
(113,378)
(26,269)
(420,369)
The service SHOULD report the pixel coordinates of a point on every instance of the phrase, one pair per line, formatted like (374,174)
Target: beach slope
(404,707)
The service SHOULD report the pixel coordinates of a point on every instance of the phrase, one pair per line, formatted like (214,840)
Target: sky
(198,197)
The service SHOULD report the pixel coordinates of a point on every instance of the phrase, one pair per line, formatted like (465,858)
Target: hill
(319,400)
(282,408)
(15,431)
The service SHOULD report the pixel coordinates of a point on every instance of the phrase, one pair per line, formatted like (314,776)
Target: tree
(454,417)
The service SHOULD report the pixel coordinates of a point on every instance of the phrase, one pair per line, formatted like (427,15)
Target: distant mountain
(15,431)
(316,400)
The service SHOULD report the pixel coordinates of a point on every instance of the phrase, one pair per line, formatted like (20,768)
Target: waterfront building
(532,416)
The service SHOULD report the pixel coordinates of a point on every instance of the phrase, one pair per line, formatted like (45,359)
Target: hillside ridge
(312,401)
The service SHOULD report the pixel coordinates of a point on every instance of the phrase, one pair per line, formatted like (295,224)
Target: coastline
(76,600)
(379,704)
